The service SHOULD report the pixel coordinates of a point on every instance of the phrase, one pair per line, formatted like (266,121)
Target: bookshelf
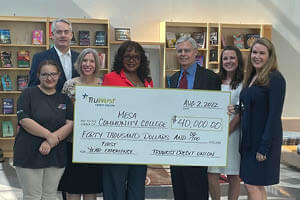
(224,33)
(21,39)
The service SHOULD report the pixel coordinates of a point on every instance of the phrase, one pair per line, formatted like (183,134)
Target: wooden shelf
(225,31)
(14,69)
(8,154)
(11,92)
(242,50)
(7,138)
(140,42)
(172,70)
(24,45)
(93,47)
(8,115)
(20,33)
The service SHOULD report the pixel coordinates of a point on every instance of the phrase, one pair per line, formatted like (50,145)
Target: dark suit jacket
(204,80)
(50,54)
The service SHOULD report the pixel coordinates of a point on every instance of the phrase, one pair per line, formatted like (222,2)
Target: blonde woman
(82,180)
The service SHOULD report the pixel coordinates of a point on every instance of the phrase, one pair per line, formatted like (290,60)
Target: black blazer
(204,80)
(50,54)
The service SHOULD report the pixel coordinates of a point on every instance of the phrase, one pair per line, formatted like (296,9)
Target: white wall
(143,17)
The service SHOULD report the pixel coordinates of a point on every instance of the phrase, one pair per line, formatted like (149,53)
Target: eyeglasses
(135,58)
(47,75)
(184,50)
(60,32)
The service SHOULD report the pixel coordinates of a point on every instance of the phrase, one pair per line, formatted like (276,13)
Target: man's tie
(183,81)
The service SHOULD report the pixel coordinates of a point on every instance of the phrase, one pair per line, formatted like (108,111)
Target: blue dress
(262,131)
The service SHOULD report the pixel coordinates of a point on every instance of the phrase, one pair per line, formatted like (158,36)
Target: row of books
(241,41)
(23,59)
(244,41)
(38,37)
(7,129)
(22,82)
(84,38)
(200,38)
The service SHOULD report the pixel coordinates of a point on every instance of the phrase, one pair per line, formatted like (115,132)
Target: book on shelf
(122,34)
(238,40)
(171,39)
(199,59)
(5,59)
(23,58)
(50,30)
(6,83)
(22,82)
(5,36)
(213,39)
(37,37)
(250,39)
(213,55)
(73,40)
(200,39)
(101,60)
(84,38)
(184,35)
(7,129)
(100,38)
(7,105)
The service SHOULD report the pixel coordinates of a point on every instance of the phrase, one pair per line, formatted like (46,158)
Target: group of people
(43,146)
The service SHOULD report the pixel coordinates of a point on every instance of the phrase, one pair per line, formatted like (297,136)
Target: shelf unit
(224,31)
(21,39)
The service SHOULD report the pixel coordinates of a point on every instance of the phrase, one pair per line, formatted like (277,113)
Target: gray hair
(53,25)
(186,38)
(81,56)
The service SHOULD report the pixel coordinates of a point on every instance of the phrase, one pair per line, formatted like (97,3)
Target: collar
(59,53)
(191,69)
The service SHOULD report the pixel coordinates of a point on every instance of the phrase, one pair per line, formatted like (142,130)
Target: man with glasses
(61,53)
(190,182)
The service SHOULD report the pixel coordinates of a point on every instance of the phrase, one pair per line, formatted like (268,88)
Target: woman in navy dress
(262,101)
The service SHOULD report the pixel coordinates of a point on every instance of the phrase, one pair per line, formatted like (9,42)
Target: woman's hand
(45,148)
(260,157)
(52,140)
(230,109)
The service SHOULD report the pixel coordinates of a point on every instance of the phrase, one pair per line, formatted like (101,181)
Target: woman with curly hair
(130,69)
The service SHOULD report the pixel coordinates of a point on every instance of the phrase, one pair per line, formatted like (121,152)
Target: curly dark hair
(239,72)
(143,71)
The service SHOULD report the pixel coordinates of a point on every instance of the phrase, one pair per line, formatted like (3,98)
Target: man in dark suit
(61,53)
(190,182)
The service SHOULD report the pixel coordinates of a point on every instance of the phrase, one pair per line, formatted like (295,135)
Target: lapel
(174,80)
(200,81)
(55,57)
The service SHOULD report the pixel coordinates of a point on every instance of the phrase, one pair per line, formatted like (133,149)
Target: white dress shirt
(66,62)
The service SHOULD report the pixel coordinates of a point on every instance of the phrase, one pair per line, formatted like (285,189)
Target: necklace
(135,83)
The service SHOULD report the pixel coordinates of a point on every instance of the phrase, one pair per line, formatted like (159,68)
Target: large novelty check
(150,126)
